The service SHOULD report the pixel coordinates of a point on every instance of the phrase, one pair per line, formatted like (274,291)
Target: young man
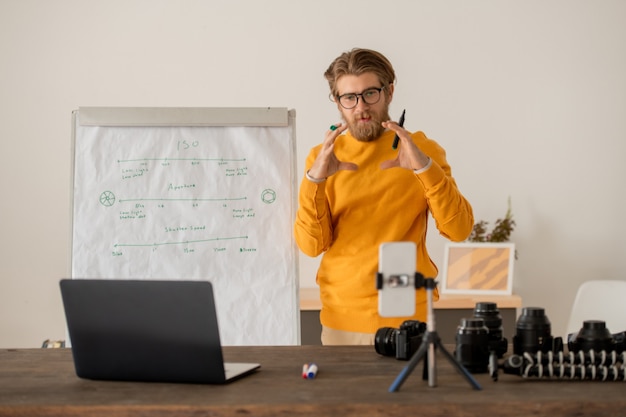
(359,192)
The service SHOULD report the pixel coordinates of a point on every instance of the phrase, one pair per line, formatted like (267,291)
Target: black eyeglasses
(369,96)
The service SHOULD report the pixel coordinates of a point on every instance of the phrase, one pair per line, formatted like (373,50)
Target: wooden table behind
(449,310)
(353,380)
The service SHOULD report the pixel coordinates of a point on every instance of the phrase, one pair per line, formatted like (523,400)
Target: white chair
(599,300)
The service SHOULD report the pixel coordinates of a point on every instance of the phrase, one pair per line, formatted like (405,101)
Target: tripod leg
(429,344)
(403,375)
(429,358)
(459,367)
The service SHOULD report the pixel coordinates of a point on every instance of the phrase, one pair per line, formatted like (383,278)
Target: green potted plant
(501,231)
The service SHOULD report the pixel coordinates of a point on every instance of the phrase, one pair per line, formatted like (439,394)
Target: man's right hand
(327,163)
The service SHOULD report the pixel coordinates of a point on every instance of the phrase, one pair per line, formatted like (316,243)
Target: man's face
(364,120)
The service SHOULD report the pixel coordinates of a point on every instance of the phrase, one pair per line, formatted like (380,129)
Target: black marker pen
(397,138)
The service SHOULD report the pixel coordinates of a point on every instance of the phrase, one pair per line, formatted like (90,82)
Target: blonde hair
(359,61)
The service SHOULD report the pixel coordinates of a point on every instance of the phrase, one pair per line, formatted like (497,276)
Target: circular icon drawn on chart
(107,198)
(268,196)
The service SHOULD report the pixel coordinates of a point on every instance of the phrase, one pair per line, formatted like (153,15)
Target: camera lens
(490,314)
(385,341)
(533,332)
(472,345)
(593,335)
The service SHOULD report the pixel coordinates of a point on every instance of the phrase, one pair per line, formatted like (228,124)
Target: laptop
(142,330)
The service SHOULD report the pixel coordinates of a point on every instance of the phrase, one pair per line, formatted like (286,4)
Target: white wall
(527,97)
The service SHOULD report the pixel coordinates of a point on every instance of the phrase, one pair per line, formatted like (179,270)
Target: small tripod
(429,343)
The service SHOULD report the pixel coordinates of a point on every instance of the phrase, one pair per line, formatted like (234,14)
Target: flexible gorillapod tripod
(429,343)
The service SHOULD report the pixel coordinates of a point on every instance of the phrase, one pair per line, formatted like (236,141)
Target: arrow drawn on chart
(185,242)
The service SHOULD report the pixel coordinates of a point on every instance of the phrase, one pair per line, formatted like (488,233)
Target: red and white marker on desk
(309,371)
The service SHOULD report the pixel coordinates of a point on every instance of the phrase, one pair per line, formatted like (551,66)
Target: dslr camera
(402,342)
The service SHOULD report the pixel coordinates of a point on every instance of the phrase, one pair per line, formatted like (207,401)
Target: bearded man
(358,191)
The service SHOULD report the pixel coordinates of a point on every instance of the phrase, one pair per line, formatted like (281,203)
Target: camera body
(402,342)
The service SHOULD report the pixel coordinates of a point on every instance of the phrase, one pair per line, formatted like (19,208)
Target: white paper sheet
(199,203)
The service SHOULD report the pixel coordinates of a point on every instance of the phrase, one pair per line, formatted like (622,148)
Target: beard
(368,130)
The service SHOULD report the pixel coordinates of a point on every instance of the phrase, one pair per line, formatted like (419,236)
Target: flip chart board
(193,194)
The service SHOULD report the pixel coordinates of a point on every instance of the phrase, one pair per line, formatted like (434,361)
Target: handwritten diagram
(185,203)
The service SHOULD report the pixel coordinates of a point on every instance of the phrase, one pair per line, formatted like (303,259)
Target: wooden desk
(449,311)
(352,381)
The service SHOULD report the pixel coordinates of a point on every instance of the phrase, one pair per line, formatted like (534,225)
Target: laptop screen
(143,330)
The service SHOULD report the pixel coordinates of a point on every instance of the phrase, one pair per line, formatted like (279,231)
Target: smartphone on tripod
(396,279)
